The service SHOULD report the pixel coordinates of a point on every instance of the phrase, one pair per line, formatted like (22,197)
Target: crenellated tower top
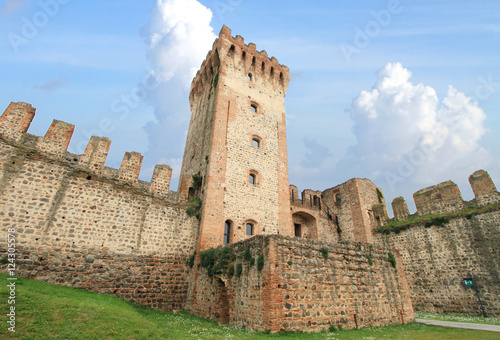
(245,58)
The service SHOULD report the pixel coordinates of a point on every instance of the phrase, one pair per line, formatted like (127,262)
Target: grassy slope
(47,311)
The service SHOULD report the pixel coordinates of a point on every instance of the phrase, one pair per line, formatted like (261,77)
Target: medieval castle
(236,243)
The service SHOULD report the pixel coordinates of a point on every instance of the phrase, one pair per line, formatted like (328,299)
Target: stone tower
(236,144)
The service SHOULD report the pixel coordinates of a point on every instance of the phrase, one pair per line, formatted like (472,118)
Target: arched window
(337,198)
(249,228)
(256,141)
(254,107)
(252,179)
(249,77)
(227,232)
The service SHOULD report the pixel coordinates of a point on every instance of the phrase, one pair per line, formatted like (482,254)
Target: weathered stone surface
(299,289)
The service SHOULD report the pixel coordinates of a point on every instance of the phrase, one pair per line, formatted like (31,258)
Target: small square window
(256,142)
(253,107)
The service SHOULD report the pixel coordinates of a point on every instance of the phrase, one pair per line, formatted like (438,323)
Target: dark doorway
(298,230)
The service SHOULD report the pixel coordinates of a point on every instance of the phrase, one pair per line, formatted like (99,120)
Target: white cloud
(408,139)
(178,38)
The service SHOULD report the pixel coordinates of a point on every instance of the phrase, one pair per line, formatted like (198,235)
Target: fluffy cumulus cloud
(407,138)
(178,38)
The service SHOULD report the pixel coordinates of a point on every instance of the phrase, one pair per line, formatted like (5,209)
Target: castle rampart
(457,240)
(305,285)
(82,224)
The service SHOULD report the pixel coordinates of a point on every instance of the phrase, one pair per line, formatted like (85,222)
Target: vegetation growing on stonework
(324,252)
(190,261)
(247,255)
(197,180)
(216,260)
(391,259)
(369,258)
(380,196)
(260,262)
(194,209)
(430,220)
(438,221)
(239,269)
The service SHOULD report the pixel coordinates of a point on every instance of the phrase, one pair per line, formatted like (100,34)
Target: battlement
(308,198)
(437,199)
(244,58)
(14,124)
(446,197)
(16,120)
(400,209)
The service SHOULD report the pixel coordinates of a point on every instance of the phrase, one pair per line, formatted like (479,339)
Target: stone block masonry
(460,240)
(82,224)
(437,259)
(303,287)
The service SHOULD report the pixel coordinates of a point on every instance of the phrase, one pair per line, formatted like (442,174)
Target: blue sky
(405,93)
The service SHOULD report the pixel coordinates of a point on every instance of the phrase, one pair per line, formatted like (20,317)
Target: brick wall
(353,203)
(300,290)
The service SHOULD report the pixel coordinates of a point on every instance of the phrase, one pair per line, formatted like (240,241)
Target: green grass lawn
(45,311)
(459,318)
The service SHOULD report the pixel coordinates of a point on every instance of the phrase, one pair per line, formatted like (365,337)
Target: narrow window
(263,66)
(272,71)
(243,55)
(297,230)
(249,77)
(253,107)
(253,61)
(227,232)
(256,142)
(337,198)
(249,228)
(252,179)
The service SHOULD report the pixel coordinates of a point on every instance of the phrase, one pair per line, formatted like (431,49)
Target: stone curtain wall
(81,224)
(300,290)
(437,259)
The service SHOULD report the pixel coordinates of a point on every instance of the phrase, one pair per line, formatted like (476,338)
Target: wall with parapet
(359,206)
(437,259)
(312,217)
(80,223)
(300,290)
